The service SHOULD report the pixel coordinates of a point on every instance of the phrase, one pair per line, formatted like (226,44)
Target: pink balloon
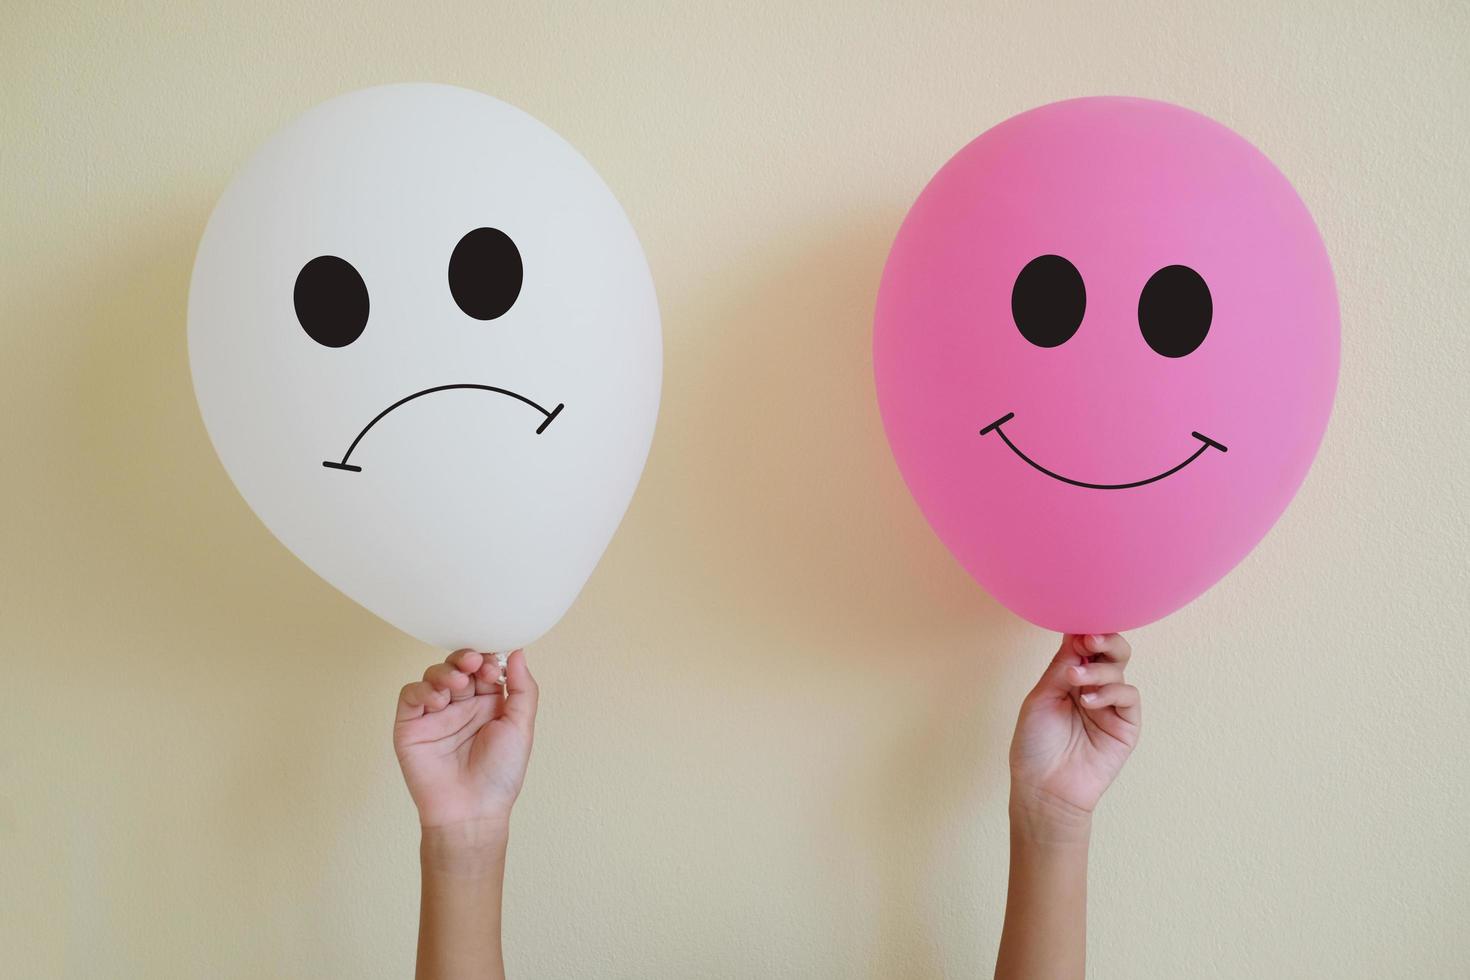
(1106,348)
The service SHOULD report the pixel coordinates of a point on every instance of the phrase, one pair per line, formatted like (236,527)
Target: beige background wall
(774,728)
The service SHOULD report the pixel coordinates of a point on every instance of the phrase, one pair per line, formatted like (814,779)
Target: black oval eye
(485,273)
(1048,300)
(331,301)
(1174,310)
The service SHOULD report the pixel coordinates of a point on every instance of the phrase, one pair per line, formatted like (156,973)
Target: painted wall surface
(774,728)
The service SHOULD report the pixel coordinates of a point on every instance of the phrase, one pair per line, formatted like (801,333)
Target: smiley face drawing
(1105,349)
(426,346)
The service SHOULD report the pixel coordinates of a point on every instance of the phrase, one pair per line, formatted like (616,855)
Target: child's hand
(1076,729)
(462,743)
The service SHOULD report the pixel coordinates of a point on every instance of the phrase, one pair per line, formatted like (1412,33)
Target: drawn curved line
(344,465)
(995,426)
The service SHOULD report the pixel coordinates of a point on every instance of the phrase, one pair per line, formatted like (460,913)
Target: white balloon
(456,469)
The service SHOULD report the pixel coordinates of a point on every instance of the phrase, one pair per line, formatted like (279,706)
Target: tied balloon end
(501,661)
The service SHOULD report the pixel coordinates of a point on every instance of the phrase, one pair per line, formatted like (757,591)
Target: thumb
(521,691)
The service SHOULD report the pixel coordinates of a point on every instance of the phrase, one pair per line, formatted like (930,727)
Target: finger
(1094,674)
(1109,646)
(419,697)
(1054,680)
(446,678)
(467,661)
(482,668)
(1122,698)
(521,692)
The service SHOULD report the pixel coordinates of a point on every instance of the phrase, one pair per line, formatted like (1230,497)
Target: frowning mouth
(342,464)
(1205,443)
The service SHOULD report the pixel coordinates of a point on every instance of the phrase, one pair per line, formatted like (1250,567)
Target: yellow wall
(774,726)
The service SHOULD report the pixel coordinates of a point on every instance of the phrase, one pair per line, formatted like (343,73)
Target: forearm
(1045,932)
(459,913)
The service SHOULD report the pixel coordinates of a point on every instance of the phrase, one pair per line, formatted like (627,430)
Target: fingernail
(1095,640)
(1089,697)
(1079,672)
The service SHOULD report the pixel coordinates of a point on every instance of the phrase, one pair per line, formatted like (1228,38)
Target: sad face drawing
(425,343)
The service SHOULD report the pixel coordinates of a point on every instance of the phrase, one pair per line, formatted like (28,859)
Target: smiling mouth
(1205,443)
(342,464)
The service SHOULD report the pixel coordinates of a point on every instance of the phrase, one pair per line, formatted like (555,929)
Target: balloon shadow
(797,533)
(771,460)
(213,627)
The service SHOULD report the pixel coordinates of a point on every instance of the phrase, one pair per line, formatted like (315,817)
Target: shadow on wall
(772,460)
(210,616)
(137,466)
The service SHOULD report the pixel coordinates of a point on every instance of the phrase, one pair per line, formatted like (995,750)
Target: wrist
(1039,818)
(466,847)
